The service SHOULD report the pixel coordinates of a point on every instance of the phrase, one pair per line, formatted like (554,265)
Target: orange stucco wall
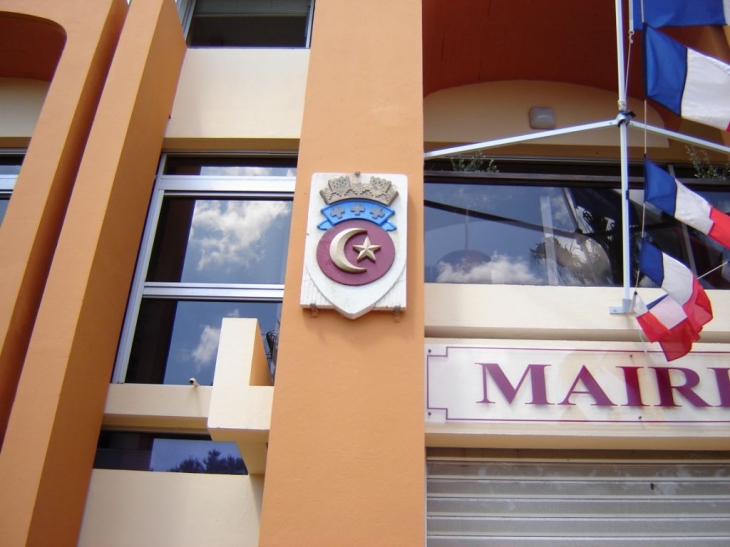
(33,220)
(51,438)
(346,450)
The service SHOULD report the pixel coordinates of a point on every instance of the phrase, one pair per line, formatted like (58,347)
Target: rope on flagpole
(631,16)
(713,269)
(646,131)
(628,63)
(643,232)
(633,302)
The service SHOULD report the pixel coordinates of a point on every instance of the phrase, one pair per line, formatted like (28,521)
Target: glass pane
(490,233)
(706,258)
(250,31)
(253,23)
(232,171)
(251,7)
(710,257)
(3,207)
(159,452)
(231,166)
(178,340)
(221,241)
(10,164)
(721,200)
(524,235)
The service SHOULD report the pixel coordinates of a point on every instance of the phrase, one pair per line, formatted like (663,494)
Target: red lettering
(723,385)
(667,389)
(633,389)
(592,389)
(537,383)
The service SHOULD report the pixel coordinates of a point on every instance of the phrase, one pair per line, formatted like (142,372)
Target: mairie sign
(355,251)
(519,384)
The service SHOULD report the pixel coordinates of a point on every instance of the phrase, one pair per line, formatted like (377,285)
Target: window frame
(195,186)
(186,9)
(7,182)
(7,185)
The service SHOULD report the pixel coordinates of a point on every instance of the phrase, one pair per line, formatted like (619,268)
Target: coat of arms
(355,251)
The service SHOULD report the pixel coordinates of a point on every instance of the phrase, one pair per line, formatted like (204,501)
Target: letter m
(537,383)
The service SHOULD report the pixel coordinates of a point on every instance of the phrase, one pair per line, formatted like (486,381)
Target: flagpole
(623,144)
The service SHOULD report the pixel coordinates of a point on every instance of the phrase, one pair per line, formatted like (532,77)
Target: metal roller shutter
(558,502)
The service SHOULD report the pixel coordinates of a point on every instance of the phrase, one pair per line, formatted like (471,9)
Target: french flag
(690,84)
(678,282)
(664,321)
(680,13)
(674,198)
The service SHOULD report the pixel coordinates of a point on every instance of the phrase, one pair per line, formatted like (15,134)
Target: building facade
(167,376)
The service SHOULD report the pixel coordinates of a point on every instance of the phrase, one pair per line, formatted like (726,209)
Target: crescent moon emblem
(337,250)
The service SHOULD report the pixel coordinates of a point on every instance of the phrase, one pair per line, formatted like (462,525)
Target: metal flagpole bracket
(624,115)
(625,307)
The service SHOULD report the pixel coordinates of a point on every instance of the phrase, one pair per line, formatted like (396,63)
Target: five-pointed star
(367,250)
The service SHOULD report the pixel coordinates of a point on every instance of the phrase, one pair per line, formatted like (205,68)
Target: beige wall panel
(552,313)
(240,94)
(240,405)
(494,110)
(135,508)
(157,407)
(20,102)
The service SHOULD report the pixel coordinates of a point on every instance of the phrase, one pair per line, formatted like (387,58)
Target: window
(9,169)
(167,452)
(553,229)
(247,23)
(215,246)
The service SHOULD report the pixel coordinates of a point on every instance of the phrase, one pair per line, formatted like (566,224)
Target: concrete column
(346,449)
(71,46)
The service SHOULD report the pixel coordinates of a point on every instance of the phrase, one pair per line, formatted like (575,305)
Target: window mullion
(7,183)
(185,9)
(136,292)
(244,186)
(212,292)
(310,21)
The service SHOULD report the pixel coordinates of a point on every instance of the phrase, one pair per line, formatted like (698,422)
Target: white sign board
(519,384)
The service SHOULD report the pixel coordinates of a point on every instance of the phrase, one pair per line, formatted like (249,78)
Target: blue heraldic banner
(359,209)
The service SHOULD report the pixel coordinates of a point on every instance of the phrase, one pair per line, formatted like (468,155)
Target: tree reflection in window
(167,452)
(212,464)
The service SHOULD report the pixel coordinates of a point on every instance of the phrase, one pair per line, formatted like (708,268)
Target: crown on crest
(341,188)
